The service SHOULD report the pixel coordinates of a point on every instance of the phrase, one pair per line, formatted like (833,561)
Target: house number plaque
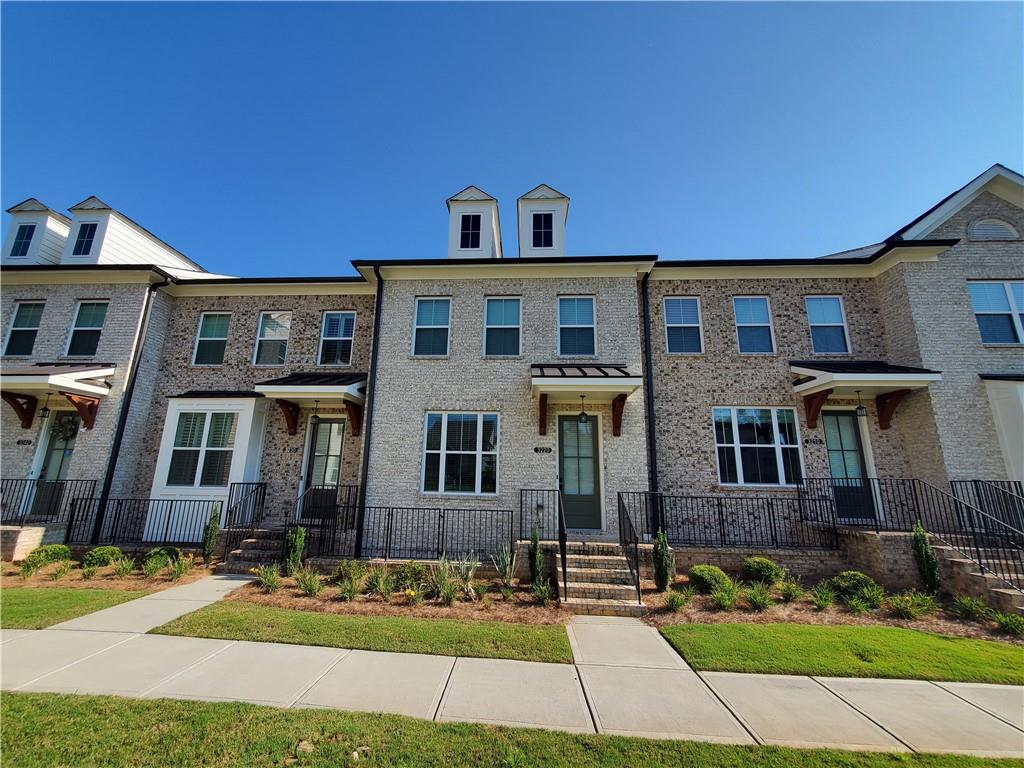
(813,441)
(541,449)
(24,442)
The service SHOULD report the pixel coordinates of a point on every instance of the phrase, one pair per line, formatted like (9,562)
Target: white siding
(47,241)
(120,242)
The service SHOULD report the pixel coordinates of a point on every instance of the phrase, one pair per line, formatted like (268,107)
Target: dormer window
(469,235)
(992,229)
(22,240)
(543,230)
(83,243)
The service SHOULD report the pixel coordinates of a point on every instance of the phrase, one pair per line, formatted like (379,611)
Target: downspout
(652,442)
(368,414)
(126,402)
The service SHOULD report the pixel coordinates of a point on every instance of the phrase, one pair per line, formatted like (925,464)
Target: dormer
(473,228)
(36,236)
(542,214)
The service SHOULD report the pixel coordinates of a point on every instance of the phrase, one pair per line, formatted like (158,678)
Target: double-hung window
(85,334)
(682,326)
(999,310)
(753,325)
(501,326)
(469,231)
(83,242)
(22,336)
(430,335)
(828,325)
(272,338)
(757,446)
(203,446)
(460,453)
(336,336)
(212,339)
(543,230)
(576,326)
(22,240)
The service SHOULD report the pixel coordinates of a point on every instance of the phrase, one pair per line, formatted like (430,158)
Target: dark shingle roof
(856,366)
(596,371)
(316,380)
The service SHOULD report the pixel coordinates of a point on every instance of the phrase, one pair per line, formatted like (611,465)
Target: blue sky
(266,139)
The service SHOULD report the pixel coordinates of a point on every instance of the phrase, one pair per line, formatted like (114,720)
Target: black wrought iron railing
(243,514)
(539,507)
(29,502)
(328,513)
(1000,499)
(629,540)
(178,522)
(411,533)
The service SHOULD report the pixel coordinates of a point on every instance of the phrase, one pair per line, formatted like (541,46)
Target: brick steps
(598,580)
(261,547)
(967,576)
(599,575)
(604,607)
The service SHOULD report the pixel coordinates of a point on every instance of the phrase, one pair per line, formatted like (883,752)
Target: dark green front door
(852,490)
(578,471)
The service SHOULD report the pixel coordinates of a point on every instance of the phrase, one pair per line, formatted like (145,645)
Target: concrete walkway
(626,680)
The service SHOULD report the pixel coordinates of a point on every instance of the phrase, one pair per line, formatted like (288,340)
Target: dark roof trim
(946,243)
(89,267)
(216,393)
(53,369)
(1001,376)
(49,210)
(856,366)
(270,280)
(579,371)
(518,261)
(314,380)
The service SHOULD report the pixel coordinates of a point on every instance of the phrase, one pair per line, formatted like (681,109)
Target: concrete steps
(962,575)
(261,547)
(599,581)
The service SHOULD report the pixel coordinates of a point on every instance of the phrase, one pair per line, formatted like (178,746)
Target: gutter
(368,414)
(652,442)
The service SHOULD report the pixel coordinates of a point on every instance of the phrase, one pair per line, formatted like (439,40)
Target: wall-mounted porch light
(861,410)
(583,411)
(315,418)
(44,412)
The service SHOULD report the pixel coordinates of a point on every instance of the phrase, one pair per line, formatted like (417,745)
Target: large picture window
(460,453)
(212,339)
(576,326)
(999,310)
(203,446)
(757,446)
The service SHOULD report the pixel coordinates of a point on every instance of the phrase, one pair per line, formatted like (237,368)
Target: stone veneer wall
(466,380)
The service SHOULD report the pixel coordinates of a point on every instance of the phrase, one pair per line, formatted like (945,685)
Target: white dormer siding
(473,228)
(48,234)
(542,214)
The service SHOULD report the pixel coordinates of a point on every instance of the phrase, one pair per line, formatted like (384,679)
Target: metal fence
(177,522)
(27,502)
(539,507)
(244,513)
(999,499)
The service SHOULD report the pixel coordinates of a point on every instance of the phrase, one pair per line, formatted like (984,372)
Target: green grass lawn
(845,651)
(35,608)
(49,730)
(236,620)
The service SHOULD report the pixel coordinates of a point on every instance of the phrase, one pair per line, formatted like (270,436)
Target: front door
(323,471)
(855,501)
(60,443)
(578,471)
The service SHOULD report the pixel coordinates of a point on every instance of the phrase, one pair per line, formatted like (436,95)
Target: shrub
(349,570)
(926,604)
(674,601)
(448,591)
(349,590)
(210,531)
(858,605)
(101,556)
(294,544)
(848,583)
(506,592)
(707,578)
(724,597)
(971,608)
(46,554)
(822,596)
(542,592)
(505,565)
(123,566)
(872,596)
(790,590)
(409,575)
(465,570)
(269,578)
(536,555)
(28,569)
(912,605)
(308,581)
(762,570)
(178,568)
(89,572)
(927,563)
(381,583)
(63,569)
(664,564)
(759,596)
(442,577)
(479,589)
(1009,623)
(167,553)
(151,566)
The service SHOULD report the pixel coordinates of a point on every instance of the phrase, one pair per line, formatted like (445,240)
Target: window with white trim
(83,242)
(24,327)
(85,333)
(753,325)
(501,326)
(272,338)
(22,240)
(827,319)
(683,335)
(212,338)
(576,326)
(460,453)
(430,335)
(469,231)
(757,446)
(999,310)
(204,443)
(543,230)
(336,334)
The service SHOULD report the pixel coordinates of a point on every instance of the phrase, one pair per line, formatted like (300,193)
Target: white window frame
(480,232)
(416,326)
(31,237)
(443,452)
(771,324)
(75,326)
(199,328)
(487,326)
(202,449)
(699,326)
(558,330)
(92,240)
(736,446)
(533,230)
(1014,311)
(811,326)
(259,330)
(12,329)
(323,338)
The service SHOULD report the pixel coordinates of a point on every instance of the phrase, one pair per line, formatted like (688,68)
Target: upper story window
(336,336)
(576,337)
(753,325)
(999,309)
(22,240)
(22,336)
(203,446)
(501,326)
(460,453)
(544,230)
(272,338)
(682,326)
(992,229)
(83,243)
(469,234)
(430,336)
(85,334)
(757,446)
(212,339)
(828,325)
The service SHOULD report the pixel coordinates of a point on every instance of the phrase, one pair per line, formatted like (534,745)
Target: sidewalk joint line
(187,667)
(728,708)
(940,686)
(864,714)
(591,707)
(444,691)
(76,661)
(344,652)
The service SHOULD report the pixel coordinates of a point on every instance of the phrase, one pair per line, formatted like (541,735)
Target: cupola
(473,228)
(542,214)
(36,235)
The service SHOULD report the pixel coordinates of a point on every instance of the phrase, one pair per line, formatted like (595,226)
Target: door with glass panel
(855,501)
(323,470)
(60,444)
(579,474)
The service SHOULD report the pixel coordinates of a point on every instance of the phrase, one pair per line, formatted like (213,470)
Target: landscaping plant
(63,569)
(409,575)
(44,555)
(857,605)
(790,590)
(664,562)
(479,589)
(210,531)
(442,580)
(308,581)
(89,572)
(707,578)
(674,601)
(822,596)
(542,592)
(269,578)
(414,594)
(505,565)
(536,555)
(759,596)
(167,553)
(873,596)
(153,564)
(349,571)
(762,570)
(912,605)
(101,556)
(724,596)
(123,566)
(465,571)
(28,569)
(848,583)
(349,591)
(924,556)
(506,592)
(381,583)
(294,544)
(1009,623)
(178,568)
(970,608)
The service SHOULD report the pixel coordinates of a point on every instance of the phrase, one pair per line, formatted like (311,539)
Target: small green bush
(448,591)
(381,583)
(872,596)
(790,590)
(101,556)
(167,553)
(506,592)
(414,594)
(762,570)
(664,562)
(536,556)
(210,531)
(542,592)
(151,566)
(269,578)
(28,569)
(410,575)
(349,570)
(308,581)
(349,590)
(970,608)
(178,568)
(46,554)
(294,545)
(822,596)
(707,578)
(63,569)
(926,604)
(1009,623)
(123,566)
(759,596)
(857,605)
(848,583)
(478,589)
(505,565)
(442,579)
(912,605)
(89,572)
(724,596)
(674,601)
(927,563)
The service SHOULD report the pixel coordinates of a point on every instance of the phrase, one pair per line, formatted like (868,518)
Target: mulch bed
(104,579)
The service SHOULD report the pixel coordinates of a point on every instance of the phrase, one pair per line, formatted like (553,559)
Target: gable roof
(544,192)
(469,194)
(32,205)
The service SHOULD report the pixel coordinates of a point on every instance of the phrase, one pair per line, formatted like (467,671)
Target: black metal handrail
(178,522)
(1001,499)
(539,507)
(24,501)
(629,540)
(563,540)
(244,513)
(329,513)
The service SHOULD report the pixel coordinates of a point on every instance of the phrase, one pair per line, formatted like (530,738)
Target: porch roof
(54,378)
(844,377)
(566,382)
(324,387)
